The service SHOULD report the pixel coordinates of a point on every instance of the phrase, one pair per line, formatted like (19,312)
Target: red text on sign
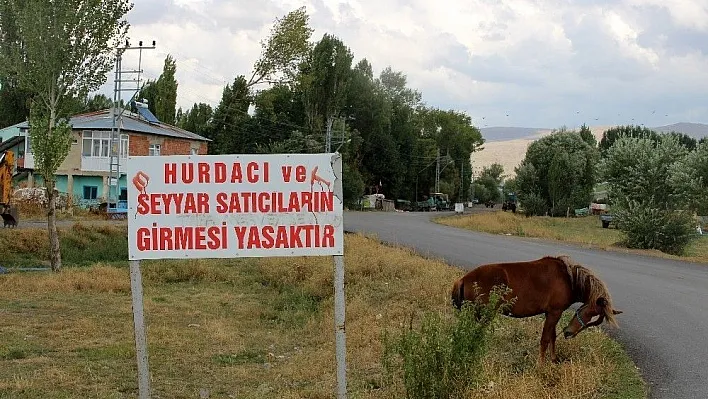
(300,173)
(173,203)
(182,238)
(269,237)
(275,202)
(218,172)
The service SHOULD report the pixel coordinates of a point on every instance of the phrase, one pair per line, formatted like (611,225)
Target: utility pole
(328,138)
(462,181)
(116,149)
(112,197)
(437,172)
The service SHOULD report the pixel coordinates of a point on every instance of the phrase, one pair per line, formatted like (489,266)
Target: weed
(243,357)
(443,359)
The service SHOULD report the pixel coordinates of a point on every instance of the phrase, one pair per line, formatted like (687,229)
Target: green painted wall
(81,181)
(78,187)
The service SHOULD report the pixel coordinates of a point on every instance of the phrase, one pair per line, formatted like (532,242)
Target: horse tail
(458,293)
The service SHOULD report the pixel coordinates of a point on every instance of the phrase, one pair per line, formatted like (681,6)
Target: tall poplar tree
(62,50)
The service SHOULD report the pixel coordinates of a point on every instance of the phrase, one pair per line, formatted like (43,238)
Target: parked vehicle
(509,203)
(436,202)
(606,219)
(441,202)
(7,210)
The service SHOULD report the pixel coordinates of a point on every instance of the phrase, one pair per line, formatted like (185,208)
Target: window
(90,192)
(154,150)
(97,144)
(124,146)
(123,194)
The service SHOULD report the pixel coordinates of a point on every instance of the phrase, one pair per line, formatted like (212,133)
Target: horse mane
(589,287)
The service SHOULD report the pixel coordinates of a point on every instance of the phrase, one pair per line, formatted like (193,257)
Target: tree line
(656,183)
(296,92)
(299,90)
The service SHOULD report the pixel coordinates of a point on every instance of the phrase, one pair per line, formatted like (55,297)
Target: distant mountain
(504,133)
(695,130)
(507,145)
(509,133)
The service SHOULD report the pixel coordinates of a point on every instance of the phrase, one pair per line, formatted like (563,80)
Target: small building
(84,174)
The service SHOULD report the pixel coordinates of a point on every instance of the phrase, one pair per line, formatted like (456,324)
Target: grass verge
(263,328)
(81,245)
(583,230)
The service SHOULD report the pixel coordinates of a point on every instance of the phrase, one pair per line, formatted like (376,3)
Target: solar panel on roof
(145,112)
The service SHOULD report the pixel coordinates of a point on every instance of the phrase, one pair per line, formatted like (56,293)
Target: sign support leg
(136,288)
(340,335)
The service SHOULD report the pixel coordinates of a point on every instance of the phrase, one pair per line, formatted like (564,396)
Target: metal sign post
(339,327)
(339,302)
(136,288)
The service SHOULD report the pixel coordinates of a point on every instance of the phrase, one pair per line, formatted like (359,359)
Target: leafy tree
(587,136)
(563,171)
(495,171)
(489,189)
(528,190)
(638,168)
(161,94)
(688,179)
(148,93)
(58,56)
(649,192)
(196,119)
(284,50)
(687,141)
(230,118)
(14,104)
(14,100)
(97,102)
(613,134)
(327,73)
(166,86)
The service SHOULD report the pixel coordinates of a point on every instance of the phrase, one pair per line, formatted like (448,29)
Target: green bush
(442,359)
(533,205)
(649,227)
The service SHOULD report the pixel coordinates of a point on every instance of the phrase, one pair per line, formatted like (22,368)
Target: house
(84,174)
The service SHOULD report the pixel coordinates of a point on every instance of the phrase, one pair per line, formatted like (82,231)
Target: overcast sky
(527,63)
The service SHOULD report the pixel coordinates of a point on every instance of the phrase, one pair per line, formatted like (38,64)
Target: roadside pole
(339,319)
(136,288)
(340,333)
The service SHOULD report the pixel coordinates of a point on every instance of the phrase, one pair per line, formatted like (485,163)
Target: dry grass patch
(81,245)
(263,328)
(583,230)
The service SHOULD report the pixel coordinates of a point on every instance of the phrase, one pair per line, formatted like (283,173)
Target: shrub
(443,358)
(533,205)
(648,227)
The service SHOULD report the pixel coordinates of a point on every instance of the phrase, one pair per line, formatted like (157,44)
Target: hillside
(695,130)
(507,145)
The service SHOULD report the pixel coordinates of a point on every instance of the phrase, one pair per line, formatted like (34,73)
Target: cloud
(542,63)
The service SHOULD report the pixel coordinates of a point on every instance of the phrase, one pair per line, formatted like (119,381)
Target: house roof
(103,120)
(11,142)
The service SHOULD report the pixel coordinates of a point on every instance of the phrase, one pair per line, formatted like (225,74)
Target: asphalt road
(664,326)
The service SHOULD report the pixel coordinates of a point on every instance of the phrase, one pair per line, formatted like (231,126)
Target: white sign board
(229,206)
(459,207)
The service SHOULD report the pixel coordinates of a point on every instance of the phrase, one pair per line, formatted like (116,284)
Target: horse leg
(548,337)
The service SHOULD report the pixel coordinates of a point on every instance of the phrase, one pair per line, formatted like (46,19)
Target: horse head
(589,315)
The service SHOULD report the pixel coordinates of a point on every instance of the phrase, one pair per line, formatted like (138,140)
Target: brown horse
(544,286)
